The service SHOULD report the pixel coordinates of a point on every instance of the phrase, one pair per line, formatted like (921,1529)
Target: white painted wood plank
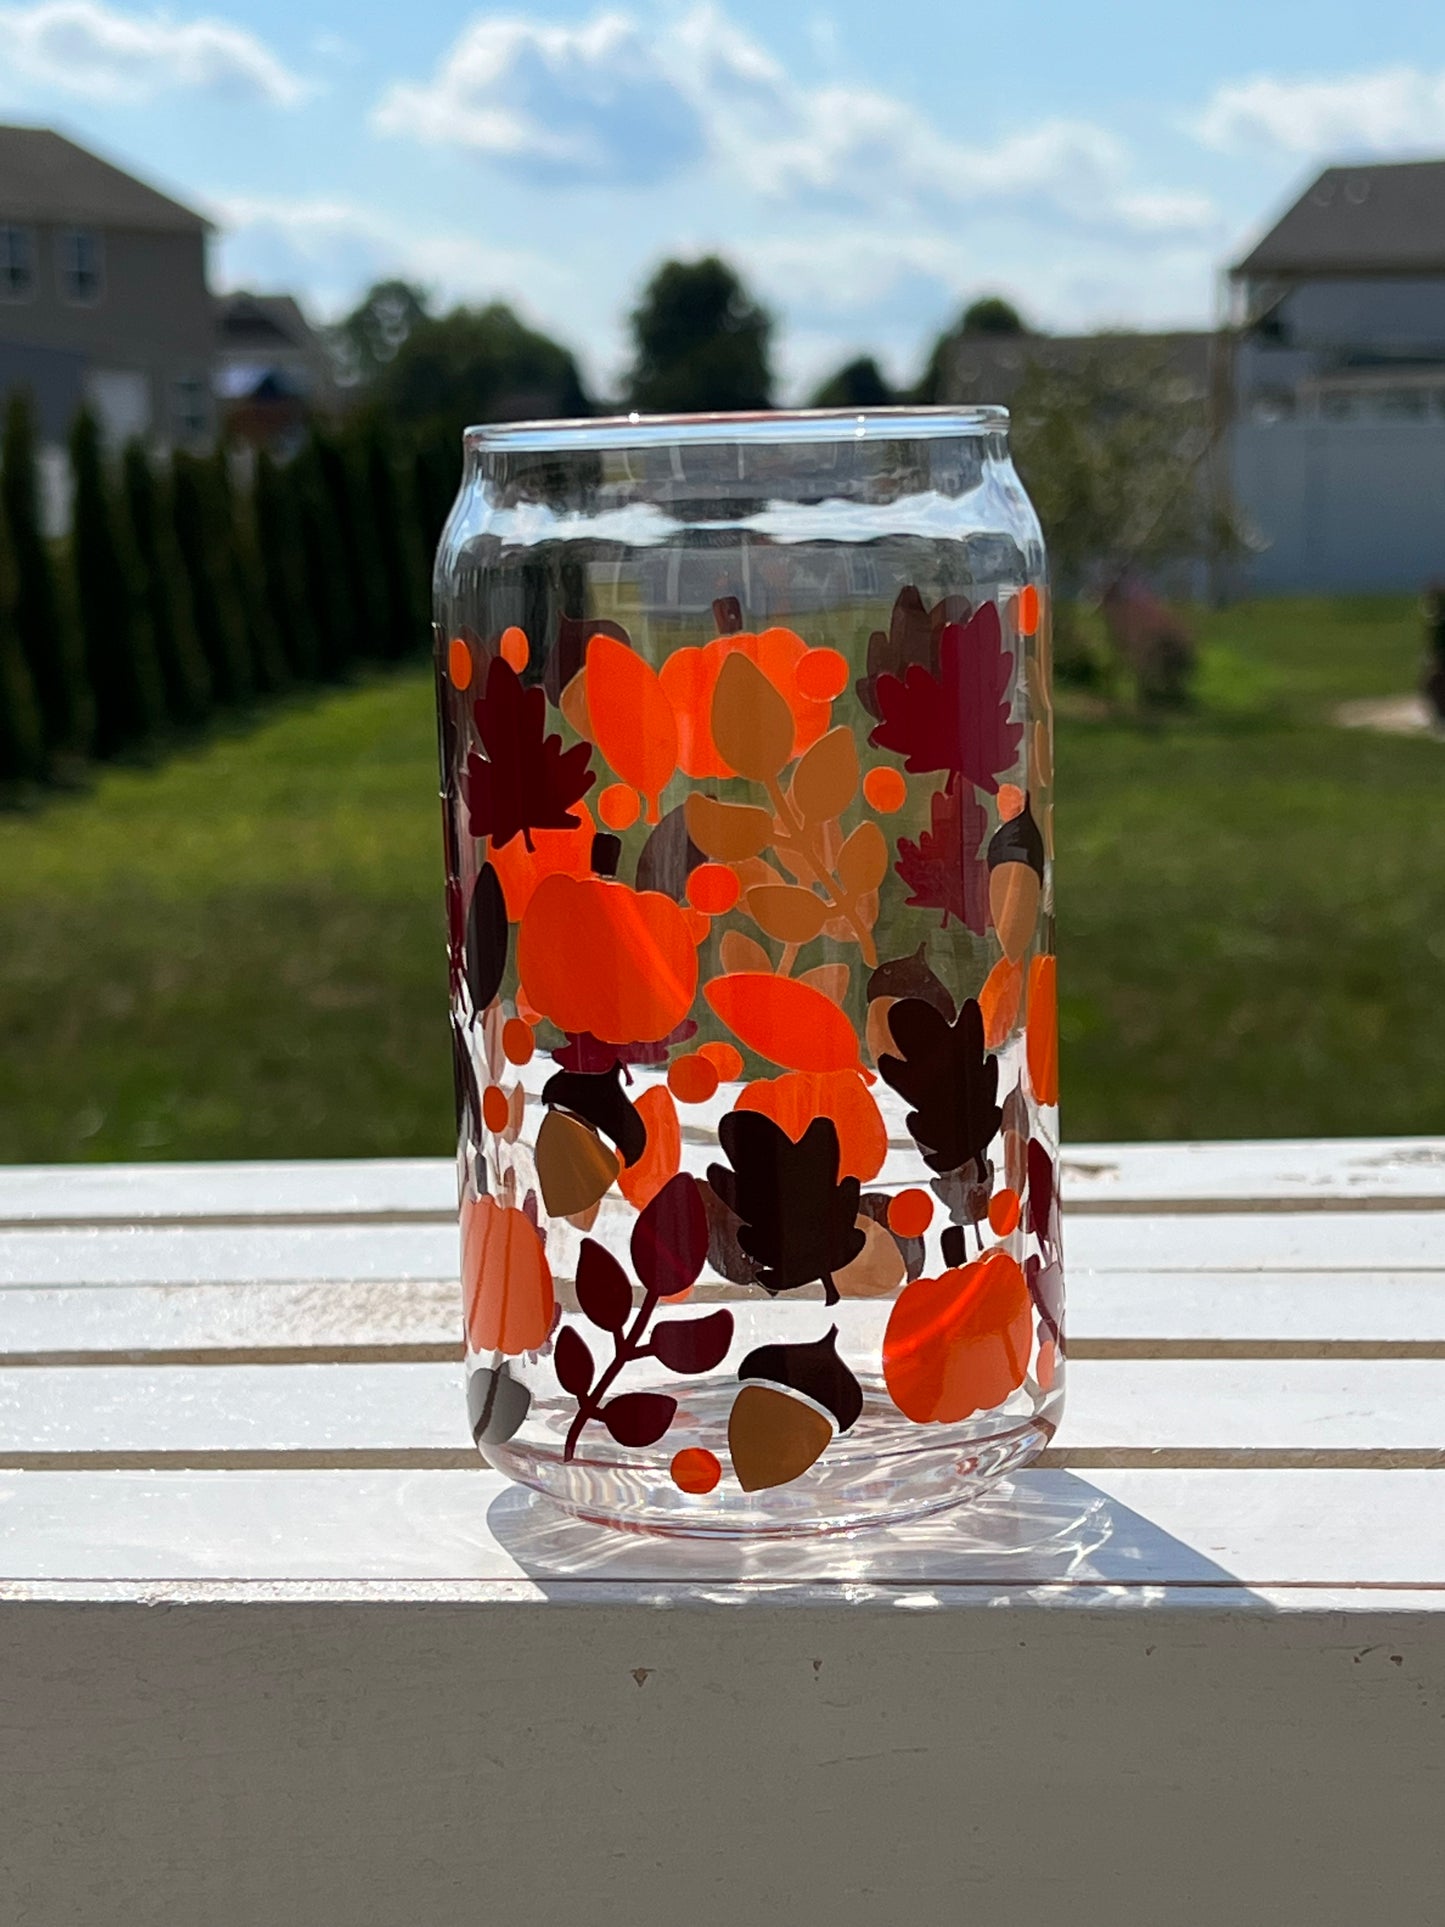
(388,1531)
(1260,1405)
(1361,1171)
(1293,1309)
(847,1764)
(1246,1241)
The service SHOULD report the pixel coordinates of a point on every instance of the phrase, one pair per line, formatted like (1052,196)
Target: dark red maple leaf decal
(526,781)
(944,869)
(958,720)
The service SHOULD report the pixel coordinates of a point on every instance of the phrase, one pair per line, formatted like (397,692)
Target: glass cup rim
(593,433)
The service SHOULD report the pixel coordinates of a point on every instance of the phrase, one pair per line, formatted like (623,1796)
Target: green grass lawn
(240,954)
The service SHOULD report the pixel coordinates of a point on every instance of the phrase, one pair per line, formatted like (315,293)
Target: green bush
(185,678)
(203,534)
(22,741)
(43,621)
(115,628)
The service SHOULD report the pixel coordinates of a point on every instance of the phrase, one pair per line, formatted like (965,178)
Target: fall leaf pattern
(711,941)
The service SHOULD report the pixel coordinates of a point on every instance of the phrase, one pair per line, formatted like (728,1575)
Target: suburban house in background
(103,295)
(1337,444)
(271,369)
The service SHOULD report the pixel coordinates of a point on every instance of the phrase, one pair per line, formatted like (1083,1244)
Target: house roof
(252,322)
(989,367)
(1374,219)
(45,177)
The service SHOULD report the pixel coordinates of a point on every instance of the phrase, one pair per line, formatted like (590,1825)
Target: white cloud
(85,47)
(336,247)
(1389,111)
(619,101)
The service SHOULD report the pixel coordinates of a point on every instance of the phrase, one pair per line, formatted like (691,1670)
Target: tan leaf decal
(738,951)
(785,911)
(830,978)
(752,724)
(863,860)
(826,780)
(727,832)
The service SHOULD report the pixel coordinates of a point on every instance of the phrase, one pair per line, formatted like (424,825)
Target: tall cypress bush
(115,628)
(185,677)
(276,494)
(330,591)
(22,740)
(44,622)
(204,534)
(343,482)
(244,578)
(392,512)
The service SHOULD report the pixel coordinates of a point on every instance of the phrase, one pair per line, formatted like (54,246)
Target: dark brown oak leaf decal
(797,1219)
(526,781)
(948,1077)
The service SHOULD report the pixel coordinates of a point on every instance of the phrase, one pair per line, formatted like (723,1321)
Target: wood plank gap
(460,1458)
(439,1352)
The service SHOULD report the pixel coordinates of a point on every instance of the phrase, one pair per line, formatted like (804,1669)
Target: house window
(17,263)
(81,266)
(192,415)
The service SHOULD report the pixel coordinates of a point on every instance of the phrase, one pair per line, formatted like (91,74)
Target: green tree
(243,578)
(115,628)
(360,590)
(43,619)
(280,534)
(477,365)
(203,533)
(858,384)
(1117,452)
(701,342)
(376,329)
(330,589)
(990,314)
(393,518)
(185,679)
(22,742)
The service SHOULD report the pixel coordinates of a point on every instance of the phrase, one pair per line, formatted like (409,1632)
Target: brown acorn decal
(793,1399)
(1015,881)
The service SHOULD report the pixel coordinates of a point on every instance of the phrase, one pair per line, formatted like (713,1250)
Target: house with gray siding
(103,295)
(1337,444)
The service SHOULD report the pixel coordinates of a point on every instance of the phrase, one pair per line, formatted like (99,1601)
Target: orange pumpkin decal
(1043,1029)
(632,718)
(599,956)
(557,853)
(690,676)
(788,1022)
(640,1183)
(506,1281)
(793,1101)
(959,1344)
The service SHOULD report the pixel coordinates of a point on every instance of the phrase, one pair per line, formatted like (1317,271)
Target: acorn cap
(1018,841)
(911,977)
(813,1369)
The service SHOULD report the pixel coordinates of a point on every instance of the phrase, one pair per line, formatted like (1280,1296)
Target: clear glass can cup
(747,793)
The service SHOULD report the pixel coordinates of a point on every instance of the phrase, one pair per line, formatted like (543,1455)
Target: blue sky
(870,167)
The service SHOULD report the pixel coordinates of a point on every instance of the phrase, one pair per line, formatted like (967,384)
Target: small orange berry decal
(726,1060)
(696,1470)
(1003,1213)
(515,648)
(910,1213)
(459,664)
(885,789)
(822,674)
(619,806)
(496,1112)
(692,1079)
(517,1041)
(712,888)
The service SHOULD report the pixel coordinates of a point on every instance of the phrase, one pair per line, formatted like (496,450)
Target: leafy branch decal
(669,1249)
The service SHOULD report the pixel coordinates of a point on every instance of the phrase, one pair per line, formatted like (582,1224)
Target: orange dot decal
(459,664)
(713,889)
(1028,610)
(1003,1213)
(692,1079)
(822,674)
(619,806)
(726,1059)
(515,648)
(910,1213)
(517,1041)
(1010,801)
(695,1470)
(885,789)
(496,1112)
